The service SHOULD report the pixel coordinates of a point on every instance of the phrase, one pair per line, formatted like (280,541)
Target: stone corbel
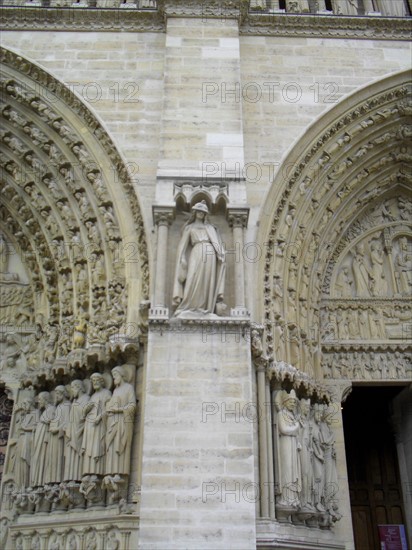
(162,217)
(238,219)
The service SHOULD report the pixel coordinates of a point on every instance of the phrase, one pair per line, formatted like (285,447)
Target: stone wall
(282,86)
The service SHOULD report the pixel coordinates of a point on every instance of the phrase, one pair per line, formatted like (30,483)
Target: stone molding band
(114,20)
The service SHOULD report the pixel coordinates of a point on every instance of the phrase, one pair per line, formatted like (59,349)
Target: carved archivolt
(71,214)
(346,199)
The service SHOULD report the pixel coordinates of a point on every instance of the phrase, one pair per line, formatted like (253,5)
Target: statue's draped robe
(289,467)
(318,464)
(361,276)
(94,435)
(55,454)
(120,429)
(24,449)
(74,436)
(306,462)
(331,475)
(41,447)
(205,273)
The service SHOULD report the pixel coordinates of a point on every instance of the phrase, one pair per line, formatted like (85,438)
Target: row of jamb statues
(307,471)
(68,453)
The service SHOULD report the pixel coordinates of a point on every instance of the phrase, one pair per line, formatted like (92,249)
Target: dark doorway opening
(373,471)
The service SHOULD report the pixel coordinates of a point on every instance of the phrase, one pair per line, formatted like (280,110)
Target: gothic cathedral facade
(205,274)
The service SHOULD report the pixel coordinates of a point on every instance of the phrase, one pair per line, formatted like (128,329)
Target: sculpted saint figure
(58,425)
(380,285)
(200,268)
(277,295)
(343,283)
(93,445)
(331,477)
(4,255)
(41,440)
(306,454)
(403,267)
(361,272)
(120,411)
(318,459)
(23,451)
(73,462)
(279,340)
(290,479)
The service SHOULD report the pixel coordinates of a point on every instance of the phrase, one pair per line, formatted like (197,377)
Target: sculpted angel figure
(200,268)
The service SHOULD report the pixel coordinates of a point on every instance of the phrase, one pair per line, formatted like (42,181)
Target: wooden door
(374,482)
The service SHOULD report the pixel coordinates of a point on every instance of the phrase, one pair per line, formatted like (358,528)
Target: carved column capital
(163,215)
(339,389)
(238,217)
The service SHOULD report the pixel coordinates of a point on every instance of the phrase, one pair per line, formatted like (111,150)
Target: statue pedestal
(198,466)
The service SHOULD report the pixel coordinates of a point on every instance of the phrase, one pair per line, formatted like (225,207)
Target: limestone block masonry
(198,481)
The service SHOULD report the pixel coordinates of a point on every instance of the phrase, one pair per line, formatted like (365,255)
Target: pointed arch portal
(74,264)
(337,270)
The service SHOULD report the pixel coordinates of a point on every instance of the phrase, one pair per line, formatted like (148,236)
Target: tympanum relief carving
(366,320)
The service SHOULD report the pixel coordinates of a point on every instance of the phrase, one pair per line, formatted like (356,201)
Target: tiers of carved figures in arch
(295,346)
(70,448)
(60,223)
(305,461)
(368,364)
(16,296)
(360,158)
